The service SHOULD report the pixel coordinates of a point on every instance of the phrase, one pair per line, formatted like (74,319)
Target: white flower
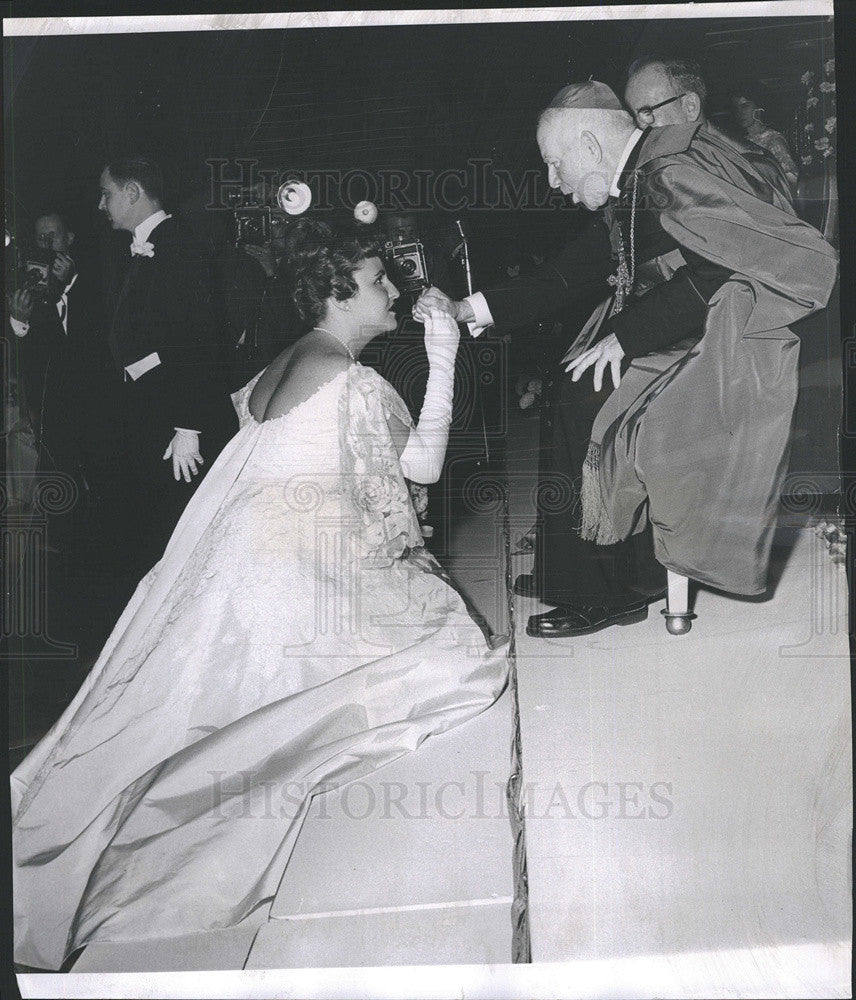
(829,67)
(806,78)
(376,492)
(534,385)
(828,152)
(822,143)
(810,103)
(806,160)
(808,127)
(142,248)
(526,400)
(830,124)
(827,88)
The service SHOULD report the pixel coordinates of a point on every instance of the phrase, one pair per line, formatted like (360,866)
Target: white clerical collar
(636,135)
(144,229)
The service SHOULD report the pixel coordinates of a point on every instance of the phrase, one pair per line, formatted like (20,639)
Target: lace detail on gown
(370,468)
(295,635)
(241,401)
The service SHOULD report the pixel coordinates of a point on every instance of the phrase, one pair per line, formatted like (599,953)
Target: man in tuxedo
(60,331)
(641,240)
(176,413)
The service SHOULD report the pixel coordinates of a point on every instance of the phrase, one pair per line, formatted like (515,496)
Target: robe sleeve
(792,267)
(583,264)
(670,311)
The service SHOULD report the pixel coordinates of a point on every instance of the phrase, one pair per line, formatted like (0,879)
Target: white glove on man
(422,458)
(184,452)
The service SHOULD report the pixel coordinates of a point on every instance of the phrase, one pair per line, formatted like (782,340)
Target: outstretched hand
(433,299)
(184,452)
(607,352)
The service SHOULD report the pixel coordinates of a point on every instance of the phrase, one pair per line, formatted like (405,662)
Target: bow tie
(139,248)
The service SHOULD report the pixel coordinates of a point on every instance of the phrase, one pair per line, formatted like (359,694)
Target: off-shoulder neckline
(303,402)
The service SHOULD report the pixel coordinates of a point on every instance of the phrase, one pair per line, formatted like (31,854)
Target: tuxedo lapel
(120,313)
(136,290)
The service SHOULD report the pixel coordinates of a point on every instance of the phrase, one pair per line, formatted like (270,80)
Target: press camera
(37,266)
(406,265)
(28,267)
(253,216)
(251,219)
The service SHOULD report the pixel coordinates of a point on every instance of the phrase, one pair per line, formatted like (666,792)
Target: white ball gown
(294,636)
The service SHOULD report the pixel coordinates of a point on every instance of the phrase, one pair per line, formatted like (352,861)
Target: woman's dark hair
(320,262)
(752,91)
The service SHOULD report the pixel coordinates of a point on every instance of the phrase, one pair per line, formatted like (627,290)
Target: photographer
(259,314)
(55,317)
(42,303)
(18,435)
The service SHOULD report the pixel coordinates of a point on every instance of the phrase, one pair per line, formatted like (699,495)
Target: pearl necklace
(322,329)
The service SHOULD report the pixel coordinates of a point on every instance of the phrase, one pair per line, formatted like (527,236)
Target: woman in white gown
(294,636)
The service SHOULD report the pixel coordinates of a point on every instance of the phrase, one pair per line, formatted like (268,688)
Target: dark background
(426,97)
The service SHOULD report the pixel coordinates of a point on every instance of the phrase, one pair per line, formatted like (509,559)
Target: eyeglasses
(646,114)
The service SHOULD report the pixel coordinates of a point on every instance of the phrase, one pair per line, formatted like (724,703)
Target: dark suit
(72,379)
(66,378)
(164,306)
(567,569)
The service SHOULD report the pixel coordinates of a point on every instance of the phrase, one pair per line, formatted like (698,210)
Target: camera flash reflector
(294,197)
(366,211)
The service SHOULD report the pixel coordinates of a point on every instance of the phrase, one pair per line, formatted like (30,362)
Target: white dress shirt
(144,230)
(477,301)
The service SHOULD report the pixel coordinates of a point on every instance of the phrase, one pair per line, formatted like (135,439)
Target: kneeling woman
(294,635)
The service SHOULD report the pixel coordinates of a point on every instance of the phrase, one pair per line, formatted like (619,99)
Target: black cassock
(567,569)
(164,306)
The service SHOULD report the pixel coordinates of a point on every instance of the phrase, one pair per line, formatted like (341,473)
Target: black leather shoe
(579,620)
(524,586)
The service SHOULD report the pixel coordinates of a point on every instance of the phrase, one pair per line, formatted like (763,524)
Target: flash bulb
(294,197)
(366,212)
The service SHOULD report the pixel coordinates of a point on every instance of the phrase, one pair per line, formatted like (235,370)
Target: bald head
(667,92)
(582,146)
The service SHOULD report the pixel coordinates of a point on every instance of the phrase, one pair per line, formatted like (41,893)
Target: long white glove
(422,458)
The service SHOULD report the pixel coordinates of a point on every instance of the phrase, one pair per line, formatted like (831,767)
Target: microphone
(465,256)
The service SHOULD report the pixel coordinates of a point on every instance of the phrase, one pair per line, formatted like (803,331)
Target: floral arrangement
(815,132)
(834,538)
